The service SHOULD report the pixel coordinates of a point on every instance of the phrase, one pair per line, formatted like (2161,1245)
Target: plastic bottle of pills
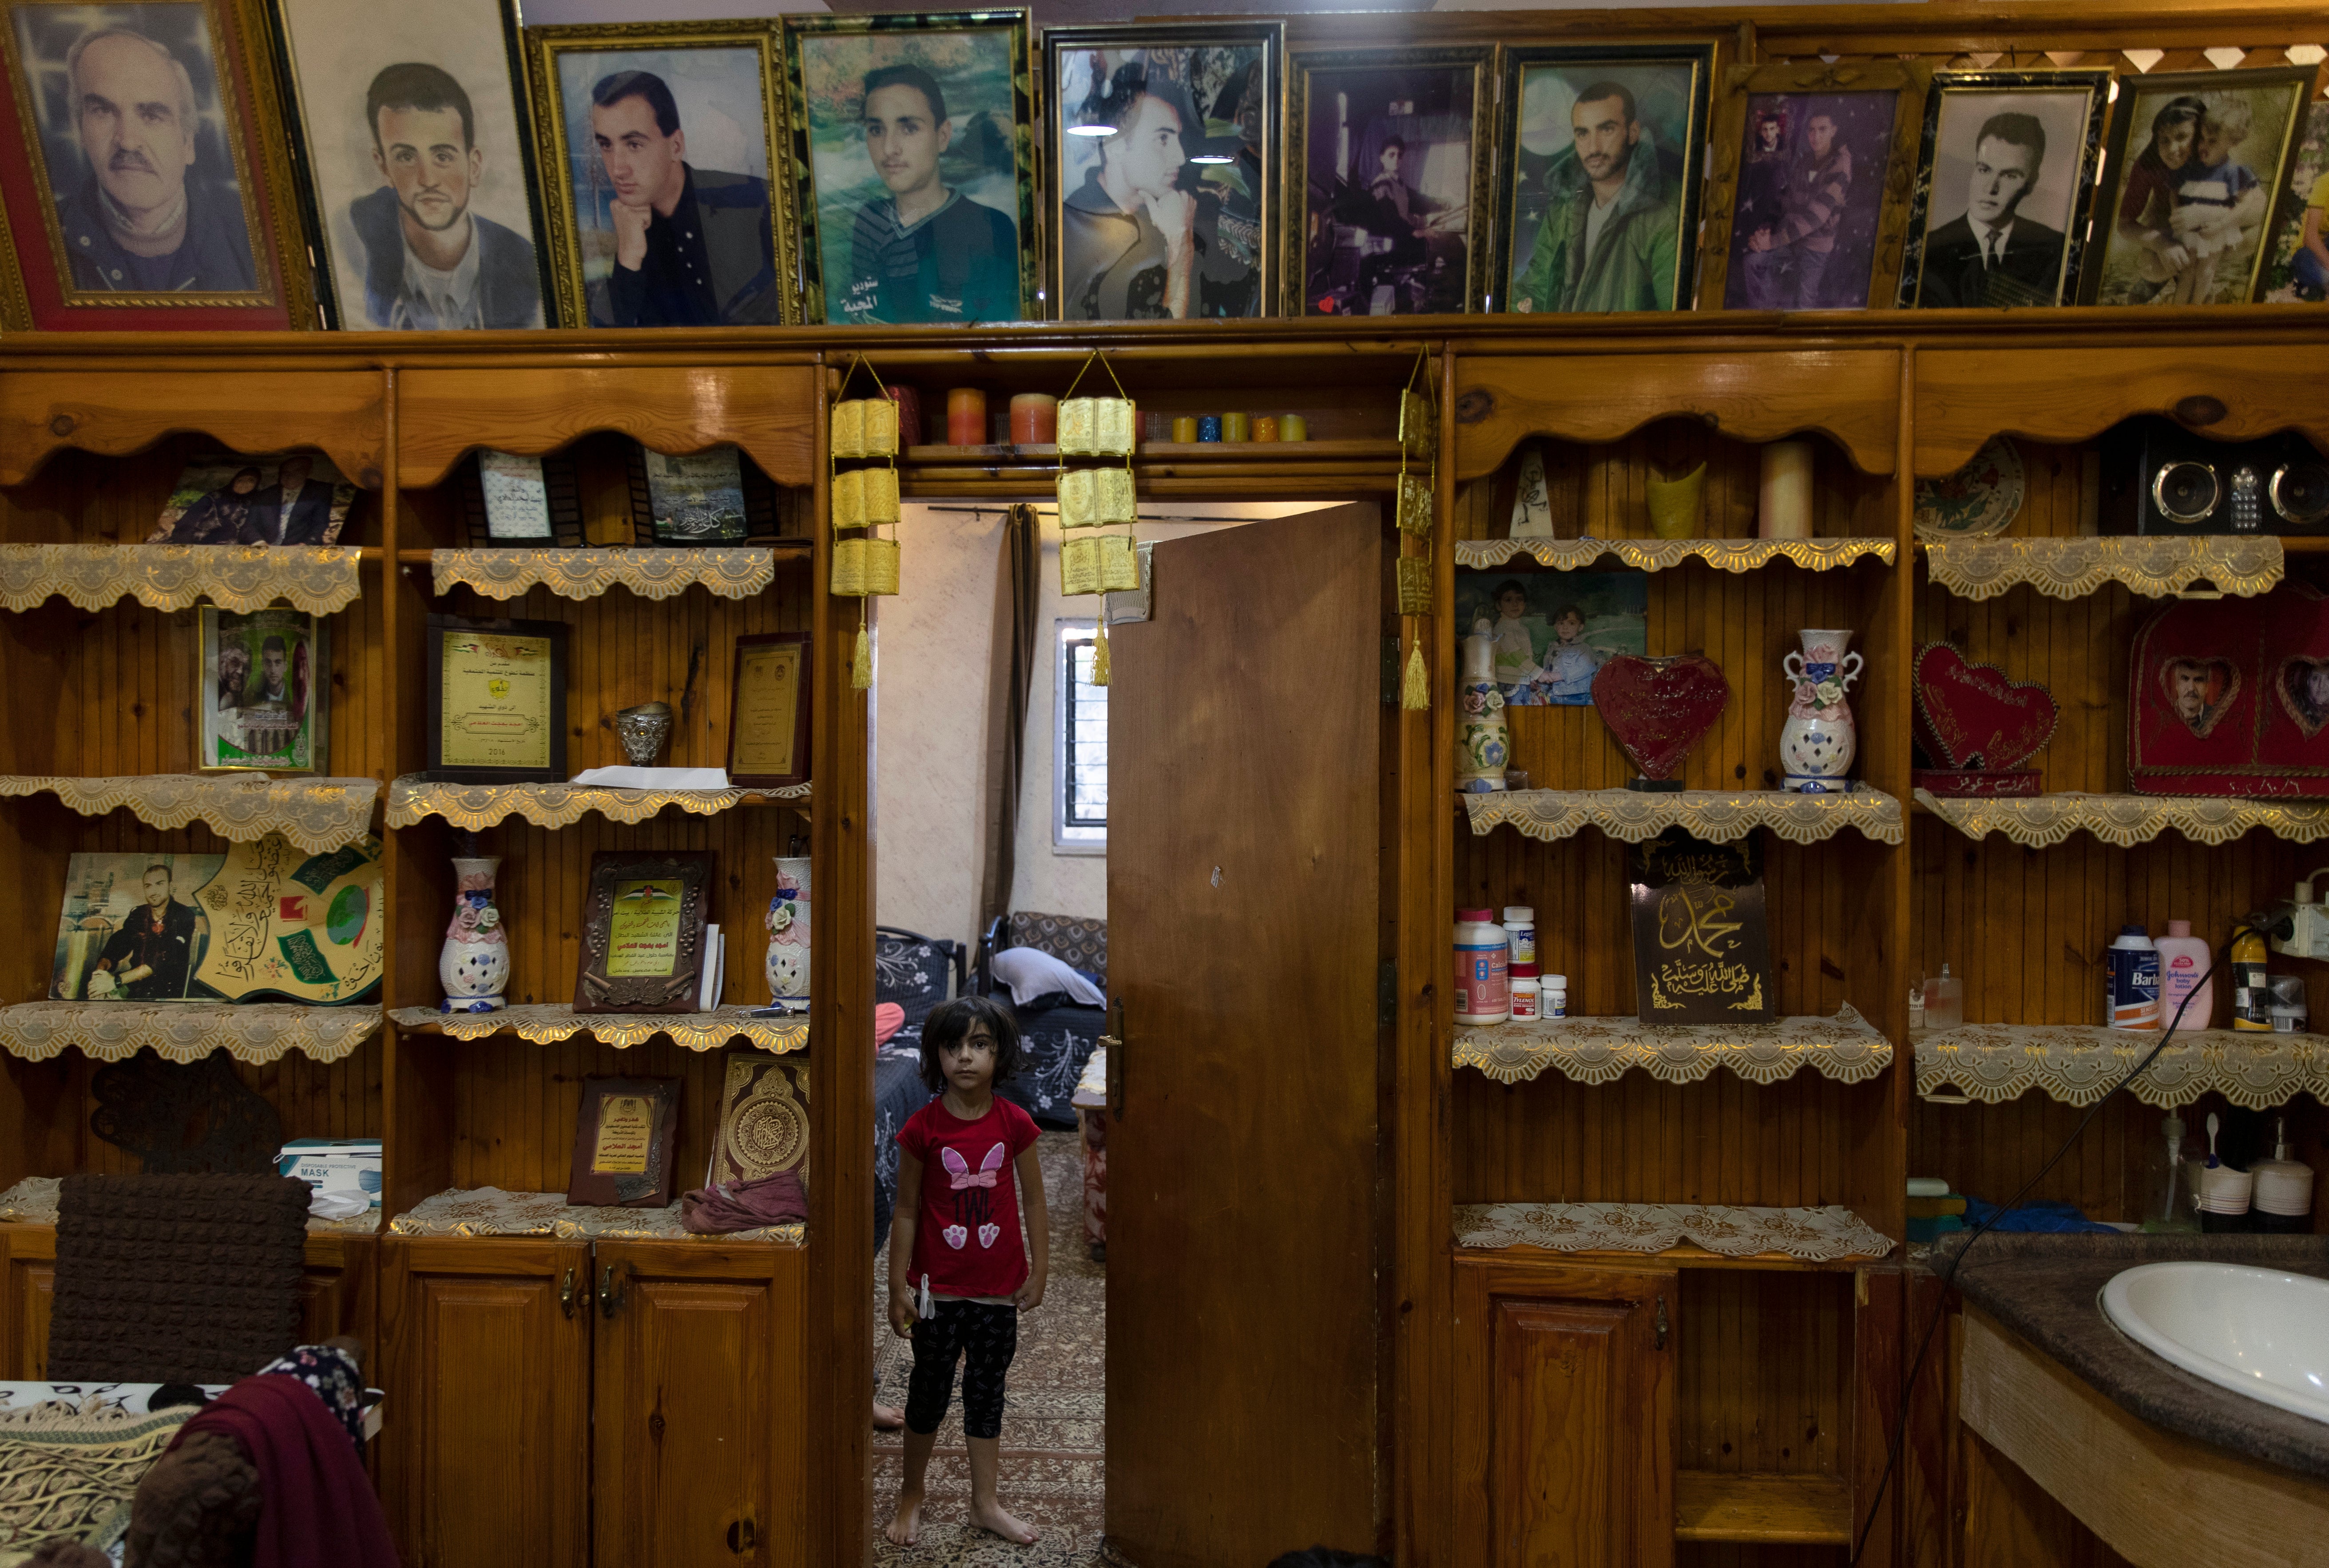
(1552,1001)
(1482,987)
(1520,932)
(1525,993)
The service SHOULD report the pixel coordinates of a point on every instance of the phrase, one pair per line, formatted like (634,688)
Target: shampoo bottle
(2183,961)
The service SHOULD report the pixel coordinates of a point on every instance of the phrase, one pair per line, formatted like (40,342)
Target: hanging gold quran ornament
(862,498)
(1096,427)
(865,428)
(1099,496)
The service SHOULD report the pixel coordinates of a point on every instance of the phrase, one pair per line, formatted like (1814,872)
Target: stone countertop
(2046,1289)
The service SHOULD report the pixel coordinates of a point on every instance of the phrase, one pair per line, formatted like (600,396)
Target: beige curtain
(1014,653)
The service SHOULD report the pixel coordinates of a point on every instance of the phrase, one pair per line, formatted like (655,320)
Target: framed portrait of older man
(1392,169)
(666,190)
(140,193)
(1998,217)
(1162,142)
(1806,208)
(409,126)
(914,156)
(1604,144)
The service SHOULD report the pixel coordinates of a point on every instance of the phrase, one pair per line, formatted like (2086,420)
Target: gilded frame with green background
(586,301)
(982,63)
(1479,231)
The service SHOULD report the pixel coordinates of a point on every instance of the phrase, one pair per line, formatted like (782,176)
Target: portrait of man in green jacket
(1611,236)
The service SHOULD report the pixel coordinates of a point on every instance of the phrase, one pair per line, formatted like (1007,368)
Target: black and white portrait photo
(2008,175)
(414,144)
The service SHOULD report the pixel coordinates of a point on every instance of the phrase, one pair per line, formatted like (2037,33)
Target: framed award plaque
(643,931)
(496,701)
(626,1133)
(768,719)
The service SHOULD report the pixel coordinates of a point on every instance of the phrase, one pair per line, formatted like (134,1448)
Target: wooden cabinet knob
(2200,410)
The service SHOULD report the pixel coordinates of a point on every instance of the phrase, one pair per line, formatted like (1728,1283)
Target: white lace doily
(492,1212)
(1717,815)
(2079,1063)
(257,1033)
(412,799)
(542,1023)
(1602,1050)
(733,572)
(1662,554)
(318,578)
(1812,1235)
(34,1202)
(2040,821)
(2155,567)
(317,815)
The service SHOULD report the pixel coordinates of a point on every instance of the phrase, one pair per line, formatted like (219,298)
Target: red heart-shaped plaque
(1970,716)
(1658,708)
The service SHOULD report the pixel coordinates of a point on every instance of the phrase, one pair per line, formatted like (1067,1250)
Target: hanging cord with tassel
(1415,690)
(861,664)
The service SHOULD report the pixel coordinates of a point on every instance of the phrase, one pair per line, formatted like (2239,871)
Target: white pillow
(1031,972)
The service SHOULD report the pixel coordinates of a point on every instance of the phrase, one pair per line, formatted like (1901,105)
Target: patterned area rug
(1053,1421)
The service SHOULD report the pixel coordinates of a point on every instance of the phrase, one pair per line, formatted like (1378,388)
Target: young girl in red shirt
(958,1275)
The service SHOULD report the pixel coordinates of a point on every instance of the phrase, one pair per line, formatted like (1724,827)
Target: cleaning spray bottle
(2251,993)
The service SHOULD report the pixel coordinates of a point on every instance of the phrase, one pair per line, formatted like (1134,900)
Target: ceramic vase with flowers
(1819,740)
(473,964)
(786,965)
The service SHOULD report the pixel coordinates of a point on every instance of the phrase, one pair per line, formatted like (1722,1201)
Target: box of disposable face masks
(334,1164)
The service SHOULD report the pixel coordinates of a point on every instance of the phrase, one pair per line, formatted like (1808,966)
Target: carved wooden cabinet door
(697,1417)
(28,1283)
(1565,1415)
(485,1449)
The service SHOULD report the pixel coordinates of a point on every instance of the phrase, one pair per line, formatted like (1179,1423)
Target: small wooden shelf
(321,579)
(545,1023)
(2078,1063)
(1833,1239)
(2074,566)
(1781,1509)
(1663,554)
(729,572)
(314,814)
(1602,1050)
(2043,821)
(1046,453)
(412,799)
(1718,816)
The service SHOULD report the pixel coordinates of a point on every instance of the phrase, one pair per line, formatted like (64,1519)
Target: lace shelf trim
(1824,1235)
(1603,1050)
(1631,816)
(545,1023)
(2040,821)
(1663,554)
(2073,568)
(491,1212)
(412,799)
(318,578)
(182,1031)
(658,573)
(315,815)
(2078,1063)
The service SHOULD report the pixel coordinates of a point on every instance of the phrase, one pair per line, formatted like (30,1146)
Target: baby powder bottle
(2130,982)
(1482,987)
(2183,959)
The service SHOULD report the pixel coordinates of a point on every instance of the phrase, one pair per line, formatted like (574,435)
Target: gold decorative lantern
(863,499)
(1101,495)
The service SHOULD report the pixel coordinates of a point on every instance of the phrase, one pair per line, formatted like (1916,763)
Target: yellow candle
(1184,427)
(1236,427)
(1786,511)
(1293,428)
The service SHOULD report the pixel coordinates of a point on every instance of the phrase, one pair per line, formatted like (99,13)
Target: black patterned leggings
(986,1339)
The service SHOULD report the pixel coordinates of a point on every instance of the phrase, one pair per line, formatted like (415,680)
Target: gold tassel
(1415,694)
(1099,658)
(860,668)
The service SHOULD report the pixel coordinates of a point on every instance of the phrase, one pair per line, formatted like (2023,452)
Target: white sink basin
(2257,1332)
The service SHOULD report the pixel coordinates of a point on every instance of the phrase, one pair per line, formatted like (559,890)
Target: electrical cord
(1948,1276)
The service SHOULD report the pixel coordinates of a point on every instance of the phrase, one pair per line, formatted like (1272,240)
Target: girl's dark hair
(949,1023)
(2188,110)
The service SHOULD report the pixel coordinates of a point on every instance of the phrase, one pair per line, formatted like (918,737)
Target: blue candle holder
(1209,428)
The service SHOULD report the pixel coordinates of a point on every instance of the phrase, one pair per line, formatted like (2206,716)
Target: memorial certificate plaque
(643,931)
(1702,949)
(624,1136)
(768,722)
(496,701)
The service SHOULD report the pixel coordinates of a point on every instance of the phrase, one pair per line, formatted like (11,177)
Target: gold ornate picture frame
(643,931)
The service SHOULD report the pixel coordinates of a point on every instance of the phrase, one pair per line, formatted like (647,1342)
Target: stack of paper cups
(2225,1191)
(2284,1187)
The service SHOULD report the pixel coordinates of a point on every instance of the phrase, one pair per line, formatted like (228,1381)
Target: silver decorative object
(644,730)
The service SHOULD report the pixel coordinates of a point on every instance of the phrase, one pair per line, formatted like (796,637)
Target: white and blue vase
(786,964)
(1819,740)
(473,965)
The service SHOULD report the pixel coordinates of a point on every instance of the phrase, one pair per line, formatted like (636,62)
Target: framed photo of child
(2296,262)
(1553,631)
(2194,160)
(1999,214)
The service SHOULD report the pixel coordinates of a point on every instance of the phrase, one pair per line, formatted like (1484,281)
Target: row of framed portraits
(435,165)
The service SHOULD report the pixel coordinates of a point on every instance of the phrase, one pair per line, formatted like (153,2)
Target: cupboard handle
(566,1295)
(1659,1323)
(610,1298)
(739,1536)
(1114,1041)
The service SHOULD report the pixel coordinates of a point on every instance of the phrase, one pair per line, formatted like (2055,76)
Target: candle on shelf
(1293,428)
(1786,511)
(1184,427)
(1209,428)
(1034,419)
(909,415)
(1237,428)
(965,417)
(1265,426)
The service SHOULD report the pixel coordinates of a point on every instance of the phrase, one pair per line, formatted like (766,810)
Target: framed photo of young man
(1599,206)
(1162,144)
(1999,214)
(667,197)
(1806,208)
(139,192)
(1391,181)
(914,153)
(411,127)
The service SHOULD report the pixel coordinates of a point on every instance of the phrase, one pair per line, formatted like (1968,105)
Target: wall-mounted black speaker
(2160,478)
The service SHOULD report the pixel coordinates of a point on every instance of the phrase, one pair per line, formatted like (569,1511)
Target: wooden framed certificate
(643,947)
(768,718)
(625,1131)
(496,701)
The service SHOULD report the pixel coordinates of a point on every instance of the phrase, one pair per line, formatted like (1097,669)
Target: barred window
(1079,744)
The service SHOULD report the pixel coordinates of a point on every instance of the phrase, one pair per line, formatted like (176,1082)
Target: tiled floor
(1053,1422)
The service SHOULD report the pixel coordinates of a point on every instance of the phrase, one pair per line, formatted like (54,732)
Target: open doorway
(992,841)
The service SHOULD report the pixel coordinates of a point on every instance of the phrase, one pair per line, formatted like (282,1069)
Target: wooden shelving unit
(1779,1510)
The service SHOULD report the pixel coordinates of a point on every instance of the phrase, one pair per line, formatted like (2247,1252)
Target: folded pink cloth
(888,1019)
(725,1206)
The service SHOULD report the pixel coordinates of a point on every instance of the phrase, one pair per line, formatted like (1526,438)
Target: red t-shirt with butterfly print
(968,1239)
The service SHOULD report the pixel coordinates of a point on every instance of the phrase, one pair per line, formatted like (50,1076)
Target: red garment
(968,1243)
(889,1018)
(316,1504)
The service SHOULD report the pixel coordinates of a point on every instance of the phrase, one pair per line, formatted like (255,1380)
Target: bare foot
(992,1517)
(887,1417)
(905,1526)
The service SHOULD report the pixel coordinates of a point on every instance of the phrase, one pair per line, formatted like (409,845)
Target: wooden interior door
(1565,1415)
(1245,936)
(696,1425)
(487,1434)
